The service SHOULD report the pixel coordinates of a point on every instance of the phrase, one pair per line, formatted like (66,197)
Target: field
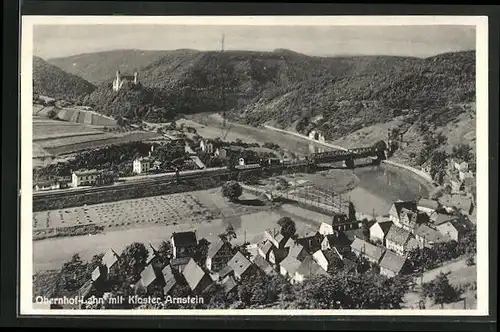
(55,137)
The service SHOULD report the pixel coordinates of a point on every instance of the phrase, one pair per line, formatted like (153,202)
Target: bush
(232,190)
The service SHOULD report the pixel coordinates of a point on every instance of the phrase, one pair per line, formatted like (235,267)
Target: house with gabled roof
(152,254)
(441,218)
(178,264)
(392,264)
(320,258)
(169,279)
(379,230)
(183,244)
(397,209)
(151,277)
(241,266)
(367,250)
(218,255)
(427,205)
(289,266)
(428,236)
(110,260)
(297,251)
(226,271)
(309,267)
(99,274)
(265,249)
(230,284)
(264,265)
(196,278)
(461,203)
(396,240)
(453,229)
(310,239)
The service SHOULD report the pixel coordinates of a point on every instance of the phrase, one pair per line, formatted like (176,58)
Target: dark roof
(295,250)
(239,263)
(214,249)
(225,271)
(193,274)
(367,248)
(185,239)
(384,225)
(353,234)
(411,215)
(399,205)
(309,267)
(428,203)
(392,262)
(397,235)
(264,265)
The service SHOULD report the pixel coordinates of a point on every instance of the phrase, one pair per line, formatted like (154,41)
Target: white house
(142,165)
(320,258)
(391,264)
(452,229)
(241,162)
(399,209)
(317,136)
(207,146)
(325,229)
(396,240)
(379,230)
(84,178)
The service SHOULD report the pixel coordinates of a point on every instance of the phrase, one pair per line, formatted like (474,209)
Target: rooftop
(185,239)
(225,271)
(431,235)
(264,265)
(229,284)
(110,258)
(399,205)
(239,263)
(290,264)
(384,225)
(309,267)
(148,275)
(392,262)
(428,203)
(214,249)
(368,249)
(266,247)
(87,172)
(398,235)
(193,274)
(441,218)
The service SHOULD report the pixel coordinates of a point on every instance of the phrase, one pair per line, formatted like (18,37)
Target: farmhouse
(392,264)
(369,251)
(241,266)
(396,240)
(142,165)
(308,268)
(218,255)
(195,277)
(183,244)
(379,230)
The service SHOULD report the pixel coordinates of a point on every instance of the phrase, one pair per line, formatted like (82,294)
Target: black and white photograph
(254,165)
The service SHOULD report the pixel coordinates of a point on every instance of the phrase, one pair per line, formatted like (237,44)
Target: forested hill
(101,66)
(52,81)
(337,94)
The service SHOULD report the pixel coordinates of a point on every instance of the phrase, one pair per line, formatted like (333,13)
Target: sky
(51,41)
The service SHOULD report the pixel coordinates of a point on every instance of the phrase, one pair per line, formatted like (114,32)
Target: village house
(152,254)
(316,136)
(308,268)
(151,278)
(428,236)
(109,260)
(440,218)
(141,165)
(99,274)
(225,272)
(289,266)
(392,264)
(320,258)
(399,211)
(309,239)
(367,250)
(91,178)
(218,255)
(379,230)
(178,264)
(169,279)
(458,202)
(297,251)
(263,265)
(207,146)
(396,240)
(241,266)
(221,153)
(428,206)
(230,284)
(452,229)
(183,244)
(121,80)
(265,249)
(338,242)
(196,278)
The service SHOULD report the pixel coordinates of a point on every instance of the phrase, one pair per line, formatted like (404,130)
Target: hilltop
(337,95)
(54,82)
(101,66)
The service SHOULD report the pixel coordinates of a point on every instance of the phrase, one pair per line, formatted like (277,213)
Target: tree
(232,190)
(248,177)
(229,234)
(74,273)
(200,253)
(380,145)
(52,114)
(164,253)
(440,290)
(132,261)
(462,152)
(288,227)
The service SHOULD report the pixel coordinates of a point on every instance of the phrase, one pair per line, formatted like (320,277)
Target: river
(378,187)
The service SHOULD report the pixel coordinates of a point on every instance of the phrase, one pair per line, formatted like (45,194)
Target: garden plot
(170,209)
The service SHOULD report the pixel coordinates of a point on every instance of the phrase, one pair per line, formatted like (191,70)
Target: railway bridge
(348,156)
